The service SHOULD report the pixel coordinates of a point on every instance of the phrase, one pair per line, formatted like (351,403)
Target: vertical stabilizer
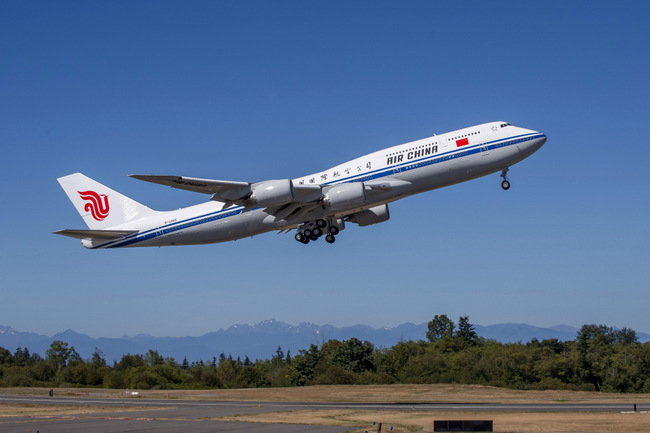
(100,206)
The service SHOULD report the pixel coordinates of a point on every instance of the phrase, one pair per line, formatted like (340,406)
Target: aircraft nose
(533,145)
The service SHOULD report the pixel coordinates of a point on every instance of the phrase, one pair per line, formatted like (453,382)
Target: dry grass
(415,421)
(20,409)
(401,394)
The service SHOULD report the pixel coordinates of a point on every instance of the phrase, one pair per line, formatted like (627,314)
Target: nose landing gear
(505,184)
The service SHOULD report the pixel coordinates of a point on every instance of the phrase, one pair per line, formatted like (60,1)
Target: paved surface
(189,415)
(175,416)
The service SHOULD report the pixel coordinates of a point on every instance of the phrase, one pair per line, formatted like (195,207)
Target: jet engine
(345,196)
(374,215)
(272,193)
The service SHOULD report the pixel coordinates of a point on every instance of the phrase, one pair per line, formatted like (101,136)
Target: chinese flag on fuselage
(462,142)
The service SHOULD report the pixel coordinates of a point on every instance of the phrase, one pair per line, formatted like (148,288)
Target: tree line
(599,358)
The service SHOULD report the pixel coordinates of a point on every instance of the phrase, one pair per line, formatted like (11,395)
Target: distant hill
(260,341)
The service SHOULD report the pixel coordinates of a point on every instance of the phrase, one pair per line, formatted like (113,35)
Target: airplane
(357,191)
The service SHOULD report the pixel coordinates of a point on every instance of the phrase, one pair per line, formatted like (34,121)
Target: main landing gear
(314,230)
(505,184)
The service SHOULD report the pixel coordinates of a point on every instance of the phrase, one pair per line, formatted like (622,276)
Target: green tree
(354,355)
(21,357)
(129,361)
(42,371)
(59,353)
(227,371)
(5,356)
(626,336)
(97,358)
(115,379)
(74,373)
(153,358)
(440,327)
(399,360)
(466,335)
(278,369)
(595,349)
(303,365)
(608,357)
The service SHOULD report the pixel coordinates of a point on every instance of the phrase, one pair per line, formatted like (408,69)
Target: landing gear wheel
(313,237)
(330,238)
(334,230)
(299,237)
(307,233)
(321,223)
(305,241)
(317,232)
(504,174)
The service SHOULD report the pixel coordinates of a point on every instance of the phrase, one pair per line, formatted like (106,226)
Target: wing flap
(95,234)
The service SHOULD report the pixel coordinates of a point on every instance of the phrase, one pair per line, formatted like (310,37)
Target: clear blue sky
(264,90)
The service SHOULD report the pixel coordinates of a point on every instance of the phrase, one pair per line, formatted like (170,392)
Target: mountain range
(261,341)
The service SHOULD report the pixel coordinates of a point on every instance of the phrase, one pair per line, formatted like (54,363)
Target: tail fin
(100,206)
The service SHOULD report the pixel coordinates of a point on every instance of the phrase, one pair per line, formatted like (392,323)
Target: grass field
(401,421)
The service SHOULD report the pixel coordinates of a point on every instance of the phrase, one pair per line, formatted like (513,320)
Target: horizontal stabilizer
(96,234)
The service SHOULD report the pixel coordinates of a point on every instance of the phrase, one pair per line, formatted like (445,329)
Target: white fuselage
(406,169)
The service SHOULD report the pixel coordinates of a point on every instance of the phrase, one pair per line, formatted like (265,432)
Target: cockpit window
(503,125)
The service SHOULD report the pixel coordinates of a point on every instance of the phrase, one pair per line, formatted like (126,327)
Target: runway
(193,415)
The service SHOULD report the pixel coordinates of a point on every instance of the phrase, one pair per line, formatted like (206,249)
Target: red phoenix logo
(95,206)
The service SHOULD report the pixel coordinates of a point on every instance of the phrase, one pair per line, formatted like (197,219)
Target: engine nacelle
(345,196)
(374,215)
(272,193)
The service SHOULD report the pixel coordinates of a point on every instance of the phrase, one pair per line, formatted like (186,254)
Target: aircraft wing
(230,190)
(227,191)
(96,234)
